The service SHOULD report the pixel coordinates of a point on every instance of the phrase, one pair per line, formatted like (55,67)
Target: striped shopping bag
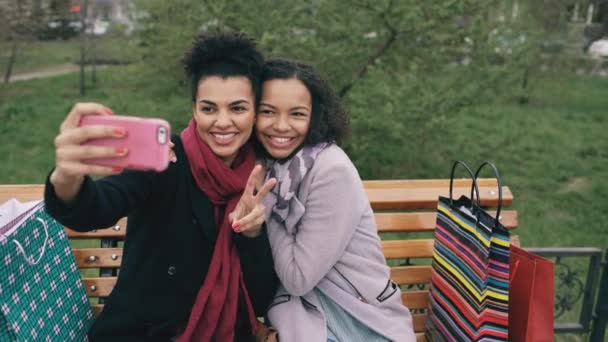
(469,292)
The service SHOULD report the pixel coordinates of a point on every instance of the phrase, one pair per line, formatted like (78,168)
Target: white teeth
(224,136)
(280,140)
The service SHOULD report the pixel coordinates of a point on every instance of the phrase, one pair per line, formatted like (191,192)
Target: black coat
(167,250)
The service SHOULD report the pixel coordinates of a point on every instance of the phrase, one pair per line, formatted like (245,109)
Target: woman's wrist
(66,187)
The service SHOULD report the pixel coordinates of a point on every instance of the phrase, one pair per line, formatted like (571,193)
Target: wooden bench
(405,215)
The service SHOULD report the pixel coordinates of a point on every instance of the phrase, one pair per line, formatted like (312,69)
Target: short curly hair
(224,54)
(330,122)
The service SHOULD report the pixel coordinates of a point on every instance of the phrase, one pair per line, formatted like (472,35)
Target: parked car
(599,48)
(60,29)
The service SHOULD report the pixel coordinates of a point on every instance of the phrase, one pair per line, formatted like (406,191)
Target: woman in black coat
(179,241)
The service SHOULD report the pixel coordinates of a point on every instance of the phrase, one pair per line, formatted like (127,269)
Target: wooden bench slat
(116,231)
(415,299)
(426,198)
(418,320)
(22,192)
(411,275)
(401,249)
(97,308)
(427,183)
(389,194)
(98,257)
(425,221)
(100,286)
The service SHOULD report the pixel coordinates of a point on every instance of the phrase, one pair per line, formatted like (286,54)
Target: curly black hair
(330,122)
(224,54)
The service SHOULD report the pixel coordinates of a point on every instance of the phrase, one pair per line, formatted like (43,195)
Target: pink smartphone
(147,141)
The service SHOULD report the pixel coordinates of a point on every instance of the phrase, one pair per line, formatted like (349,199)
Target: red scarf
(214,313)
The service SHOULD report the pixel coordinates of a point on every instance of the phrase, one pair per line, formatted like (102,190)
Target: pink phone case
(146,139)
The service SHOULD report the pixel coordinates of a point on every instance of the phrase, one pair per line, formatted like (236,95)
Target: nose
(224,120)
(281,124)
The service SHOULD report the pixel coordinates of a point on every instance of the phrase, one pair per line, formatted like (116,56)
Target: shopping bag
(470,270)
(12,212)
(531,300)
(42,297)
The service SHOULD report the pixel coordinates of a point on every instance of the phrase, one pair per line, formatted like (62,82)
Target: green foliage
(552,153)
(406,64)
(34,56)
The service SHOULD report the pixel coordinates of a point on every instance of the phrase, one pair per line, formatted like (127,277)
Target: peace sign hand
(248,216)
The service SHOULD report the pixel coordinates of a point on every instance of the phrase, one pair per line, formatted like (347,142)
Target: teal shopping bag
(42,297)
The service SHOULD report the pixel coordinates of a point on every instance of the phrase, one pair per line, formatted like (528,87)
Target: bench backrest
(405,215)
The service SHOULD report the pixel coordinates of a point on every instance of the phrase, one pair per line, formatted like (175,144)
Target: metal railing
(577,283)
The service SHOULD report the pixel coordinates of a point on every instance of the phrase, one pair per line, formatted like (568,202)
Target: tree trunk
(83,40)
(93,56)
(11,62)
(37,8)
(603,9)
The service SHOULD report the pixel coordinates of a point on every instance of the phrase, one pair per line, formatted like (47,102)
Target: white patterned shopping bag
(42,297)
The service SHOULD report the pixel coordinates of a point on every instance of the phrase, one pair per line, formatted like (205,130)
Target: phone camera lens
(162,135)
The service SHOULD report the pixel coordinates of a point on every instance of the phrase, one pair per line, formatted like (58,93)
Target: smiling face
(283,116)
(224,111)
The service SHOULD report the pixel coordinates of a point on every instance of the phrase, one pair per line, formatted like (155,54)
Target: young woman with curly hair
(186,274)
(335,284)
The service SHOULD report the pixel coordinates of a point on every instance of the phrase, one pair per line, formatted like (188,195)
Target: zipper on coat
(308,304)
(359,295)
(279,300)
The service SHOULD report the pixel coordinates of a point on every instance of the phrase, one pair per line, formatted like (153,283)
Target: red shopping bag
(531,300)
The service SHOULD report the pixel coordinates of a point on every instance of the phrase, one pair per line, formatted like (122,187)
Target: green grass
(553,152)
(36,55)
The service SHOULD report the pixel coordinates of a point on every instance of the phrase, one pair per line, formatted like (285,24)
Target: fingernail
(236,228)
(119,131)
(117,169)
(121,150)
(108,111)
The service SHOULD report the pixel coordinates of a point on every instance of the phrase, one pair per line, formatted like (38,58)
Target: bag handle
(473,185)
(499,181)
(30,259)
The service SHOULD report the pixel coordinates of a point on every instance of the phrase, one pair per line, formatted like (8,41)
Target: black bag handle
(498,179)
(473,185)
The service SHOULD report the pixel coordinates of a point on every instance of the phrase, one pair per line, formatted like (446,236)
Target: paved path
(55,70)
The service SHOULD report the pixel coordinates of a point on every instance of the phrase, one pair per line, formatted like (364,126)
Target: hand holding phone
(145,142)
(70,155)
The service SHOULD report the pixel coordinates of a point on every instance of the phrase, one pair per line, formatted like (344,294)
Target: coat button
(171,270)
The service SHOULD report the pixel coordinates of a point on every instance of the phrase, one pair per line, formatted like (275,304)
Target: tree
(17,21)
(402,66)
(24,20)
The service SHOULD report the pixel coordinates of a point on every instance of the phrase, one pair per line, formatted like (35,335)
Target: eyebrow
(294,108)
(211,103)
(234,103)
(267,104)
(300,107)
(238,102)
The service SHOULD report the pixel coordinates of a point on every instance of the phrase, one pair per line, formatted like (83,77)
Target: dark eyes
(207,109)
(266,112)
(211,110)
